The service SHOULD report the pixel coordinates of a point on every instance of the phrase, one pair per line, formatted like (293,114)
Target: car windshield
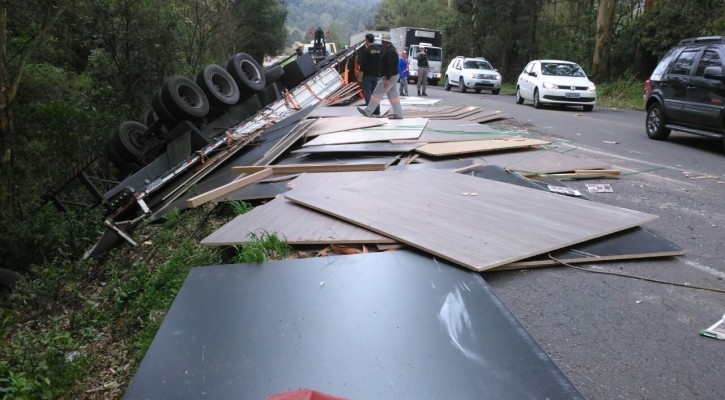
(477,64)
(560,69)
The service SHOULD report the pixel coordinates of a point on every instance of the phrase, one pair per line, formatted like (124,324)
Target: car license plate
(572,95)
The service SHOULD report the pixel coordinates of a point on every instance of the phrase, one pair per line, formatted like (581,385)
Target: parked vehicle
(686,92)
(555,82)
(413,39)
(472,73)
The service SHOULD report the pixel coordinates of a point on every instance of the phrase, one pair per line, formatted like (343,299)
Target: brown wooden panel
(410,128)
(476,223)
(476,146)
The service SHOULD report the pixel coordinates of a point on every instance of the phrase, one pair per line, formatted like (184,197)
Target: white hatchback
(555,82)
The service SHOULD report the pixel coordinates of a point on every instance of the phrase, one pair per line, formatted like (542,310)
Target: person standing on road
(422,58)
(387,83)
(404,72)
(369,60)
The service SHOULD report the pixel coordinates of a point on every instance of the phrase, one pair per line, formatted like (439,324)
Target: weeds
(262,247)
(77,325)
(240,207)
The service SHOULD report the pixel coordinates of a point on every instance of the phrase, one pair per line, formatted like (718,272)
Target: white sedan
(555,82)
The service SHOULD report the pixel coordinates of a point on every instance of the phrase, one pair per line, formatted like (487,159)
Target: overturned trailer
(197,125)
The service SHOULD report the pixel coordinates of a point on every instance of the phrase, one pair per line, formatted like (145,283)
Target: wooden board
(296,224)
(436,211)
(229,187)
(301,168)
(394,129)
(631,244)
(541,161)
(337,124)
(373,147)
(476,146)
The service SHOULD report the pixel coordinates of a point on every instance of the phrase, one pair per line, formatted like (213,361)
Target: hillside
(340,17)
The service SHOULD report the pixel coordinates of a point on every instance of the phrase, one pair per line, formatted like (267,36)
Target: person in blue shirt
(403,71)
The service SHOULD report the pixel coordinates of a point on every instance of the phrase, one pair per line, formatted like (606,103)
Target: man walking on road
(422,70)
(369,60)
(387,84)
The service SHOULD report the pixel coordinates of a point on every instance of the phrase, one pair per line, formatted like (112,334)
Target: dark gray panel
(394,325)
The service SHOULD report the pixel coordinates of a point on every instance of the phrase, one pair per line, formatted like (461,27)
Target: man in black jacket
(387,83)
(369,61)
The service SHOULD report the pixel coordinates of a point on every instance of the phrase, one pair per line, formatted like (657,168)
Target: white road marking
(704,268)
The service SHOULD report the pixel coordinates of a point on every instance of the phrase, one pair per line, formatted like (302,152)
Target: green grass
(72,327)
(262,247)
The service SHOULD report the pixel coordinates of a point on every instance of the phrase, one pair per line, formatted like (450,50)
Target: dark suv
(686,91)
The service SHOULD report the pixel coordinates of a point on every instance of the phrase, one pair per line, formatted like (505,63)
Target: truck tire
(218,85)
(247,73)
(150,117)
(128,140)
(162,112)
(273,73)
(184,99)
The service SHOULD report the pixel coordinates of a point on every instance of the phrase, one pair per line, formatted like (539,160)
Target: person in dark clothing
(369,60)
(387,83)
(422,70)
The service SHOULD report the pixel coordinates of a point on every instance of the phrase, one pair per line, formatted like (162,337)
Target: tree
(11,74)
(260,27)
(605,19)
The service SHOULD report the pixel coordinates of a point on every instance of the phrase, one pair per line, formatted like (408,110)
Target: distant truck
(413,39)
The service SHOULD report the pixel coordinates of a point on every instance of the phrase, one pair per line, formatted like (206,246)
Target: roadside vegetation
(72,71)
(79,329)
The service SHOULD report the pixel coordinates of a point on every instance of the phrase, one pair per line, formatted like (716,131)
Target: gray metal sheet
(393,325)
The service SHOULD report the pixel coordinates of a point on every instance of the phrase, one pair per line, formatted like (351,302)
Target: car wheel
(477,90)
(519,99)
(656,123)
(537,102)
(496,91)
(461,86)
(447,86)
(588,108)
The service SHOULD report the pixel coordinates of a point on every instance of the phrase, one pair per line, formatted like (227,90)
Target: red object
(303,394)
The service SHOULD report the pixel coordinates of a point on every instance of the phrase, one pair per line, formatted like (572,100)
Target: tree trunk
(6,154)
(605,18)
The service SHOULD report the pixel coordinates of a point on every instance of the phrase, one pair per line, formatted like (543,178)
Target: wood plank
(337,124)
(541,161)
(229,187)
(475,146)
(476,223)
(409,128)
(296,224)
(300,168)
(374,147)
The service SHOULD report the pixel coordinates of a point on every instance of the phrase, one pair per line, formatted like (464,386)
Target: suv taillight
(647,84)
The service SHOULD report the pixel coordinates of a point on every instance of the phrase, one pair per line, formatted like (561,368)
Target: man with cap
(387,83)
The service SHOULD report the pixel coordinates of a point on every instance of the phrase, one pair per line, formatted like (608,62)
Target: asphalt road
(621,337)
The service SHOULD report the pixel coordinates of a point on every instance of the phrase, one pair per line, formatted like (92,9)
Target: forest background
(72,70)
